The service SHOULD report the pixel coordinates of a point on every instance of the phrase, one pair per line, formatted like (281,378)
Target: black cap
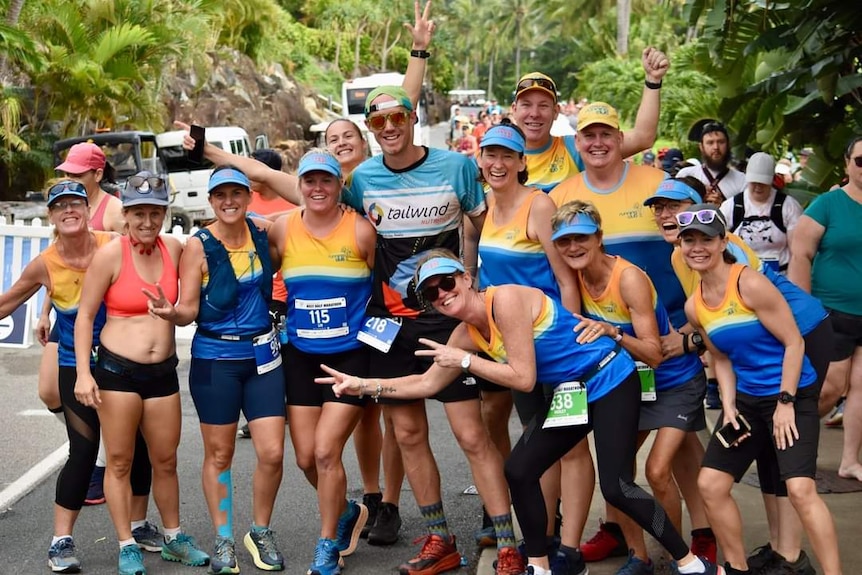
(269,157)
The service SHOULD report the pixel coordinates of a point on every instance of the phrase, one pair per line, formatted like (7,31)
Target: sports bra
(97,220)
(124,297)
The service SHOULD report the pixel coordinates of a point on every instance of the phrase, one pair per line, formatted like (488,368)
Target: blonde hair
(567,212)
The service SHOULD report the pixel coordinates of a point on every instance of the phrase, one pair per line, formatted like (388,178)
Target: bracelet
(652,85)
(377,392)
(685,348)
(424,54)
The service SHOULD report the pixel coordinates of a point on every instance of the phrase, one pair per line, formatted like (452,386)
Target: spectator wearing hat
(762,216)
(649,159)
(86,163)
(722,181)
(804,155)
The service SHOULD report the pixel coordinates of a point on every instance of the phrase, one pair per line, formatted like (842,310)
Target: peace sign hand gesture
(423,28)
(158,305)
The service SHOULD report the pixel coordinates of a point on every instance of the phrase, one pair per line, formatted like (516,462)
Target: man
(649,159)
(722,181)
(618,189)
(417,198)
(550,160)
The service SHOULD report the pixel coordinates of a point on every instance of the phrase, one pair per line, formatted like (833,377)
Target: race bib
(647,377)
(321,318)
(379,332)
(267,352)
(568,407)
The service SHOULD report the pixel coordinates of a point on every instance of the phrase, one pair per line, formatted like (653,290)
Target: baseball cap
(397,93)
(598,113)
(269,157)
(505,136)
(439,266)
(65,188)
(806,152)
(315,161)
(674,190)
(145,188)
(671,157)
(715,226)
(536,81)
(82,158)
(760,169)
(227,175)
(649,156)
(711,127)
(580,224)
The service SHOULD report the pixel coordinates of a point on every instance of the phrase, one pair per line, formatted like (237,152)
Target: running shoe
(704,546)
(607,542)
(387,525)
(243,432)
(802,566)
(183,549)
(762,557)
(223,560)
(713,399)
(350,525)
(326,558)
(261,545)
(131,561)
(509,562)
(710,568)
(61,557)
(836,418)
(96,490)
(372,502)
(438,555)
(568,562)
(148,537)
(486,537)
(636,566)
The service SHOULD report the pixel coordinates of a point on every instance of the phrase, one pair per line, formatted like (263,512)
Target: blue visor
(581,224)
(228,176)
(505,137)
(674,190)
(438,267)
(319,162)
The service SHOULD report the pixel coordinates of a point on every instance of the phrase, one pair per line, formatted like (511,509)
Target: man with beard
(721,180)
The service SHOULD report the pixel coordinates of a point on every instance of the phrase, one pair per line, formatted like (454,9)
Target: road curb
(34,476)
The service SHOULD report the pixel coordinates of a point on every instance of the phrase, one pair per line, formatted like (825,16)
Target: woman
(138,388)
(510,323)
(824,261)
(766,374)
(619,301)
(325,312)
(61,268)
(515,248)
(226,278)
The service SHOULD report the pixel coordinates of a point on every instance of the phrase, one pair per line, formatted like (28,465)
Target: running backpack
(219,297)
(775,213)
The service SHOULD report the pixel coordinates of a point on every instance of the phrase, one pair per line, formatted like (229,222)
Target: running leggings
(614,421)
(82,427)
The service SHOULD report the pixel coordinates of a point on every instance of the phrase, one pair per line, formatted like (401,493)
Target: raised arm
(422,29)
(643,135)
(539,228)
(282,183)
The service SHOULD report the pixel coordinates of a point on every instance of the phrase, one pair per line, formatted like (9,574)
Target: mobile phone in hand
(727,435)
(198,134)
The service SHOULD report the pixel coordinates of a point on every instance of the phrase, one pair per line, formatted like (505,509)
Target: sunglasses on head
(138,181)
(432,292)
(397,119)
(703,216)
(528,83)
(64,187)
(858,161)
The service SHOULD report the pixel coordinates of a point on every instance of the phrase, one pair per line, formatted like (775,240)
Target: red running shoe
(438,555)
(509,562)
(607,542)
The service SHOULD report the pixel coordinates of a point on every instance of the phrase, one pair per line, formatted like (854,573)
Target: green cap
(397,93)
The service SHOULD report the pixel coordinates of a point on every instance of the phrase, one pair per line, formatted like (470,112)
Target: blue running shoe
(636,566)
(223,560)
(131,561)
(350,526)
(183,549)
(61,557)
(261,545)
(148,537)
(326,558)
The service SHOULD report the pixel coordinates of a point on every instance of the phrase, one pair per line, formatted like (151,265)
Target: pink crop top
(124,297)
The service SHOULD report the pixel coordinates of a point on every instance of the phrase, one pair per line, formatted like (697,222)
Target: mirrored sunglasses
(154,181)
(397,119)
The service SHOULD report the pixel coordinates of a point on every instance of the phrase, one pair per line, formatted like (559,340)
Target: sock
(258,529)
(695,566)
(56,538)
(125,542)
(703,532)
(435,519)
(504,529)
(171,534)
(137,524)
(539,571)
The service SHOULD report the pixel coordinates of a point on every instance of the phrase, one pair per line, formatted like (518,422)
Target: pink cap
(82,158)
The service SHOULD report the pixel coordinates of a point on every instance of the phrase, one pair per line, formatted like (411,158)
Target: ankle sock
(695,566)
(125,542)
(435,519)
(504,529)
(137,524)
(171,534)
(56,538)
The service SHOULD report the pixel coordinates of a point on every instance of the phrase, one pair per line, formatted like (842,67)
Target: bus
(354,92)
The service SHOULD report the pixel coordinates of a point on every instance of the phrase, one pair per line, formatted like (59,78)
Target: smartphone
(727,435)
(198,134)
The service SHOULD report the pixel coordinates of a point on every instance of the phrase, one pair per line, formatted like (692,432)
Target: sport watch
(697,340)
(465,362)
(784,397)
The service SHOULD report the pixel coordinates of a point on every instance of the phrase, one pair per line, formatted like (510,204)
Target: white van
(190,180)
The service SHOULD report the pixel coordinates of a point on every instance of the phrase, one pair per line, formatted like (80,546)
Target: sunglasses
(432,292)
(154,181)
(858,161)
(65,187)
(703,216)
(397,119)
(528,83)
(64,205)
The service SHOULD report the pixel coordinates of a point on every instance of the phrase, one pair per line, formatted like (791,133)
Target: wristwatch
(784,397)
(465,362)
(697,340)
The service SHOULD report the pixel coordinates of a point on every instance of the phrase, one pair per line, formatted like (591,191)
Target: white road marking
(24,484)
